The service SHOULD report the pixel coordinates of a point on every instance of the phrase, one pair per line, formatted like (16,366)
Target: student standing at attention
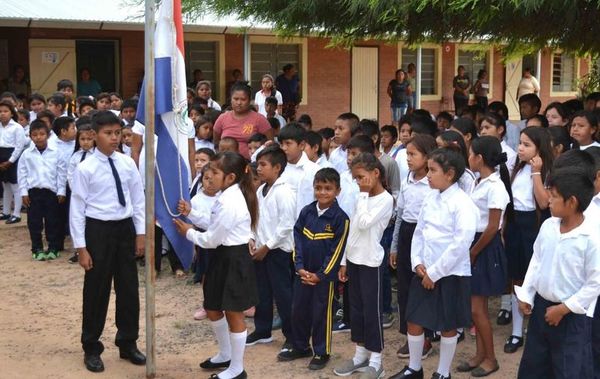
(346,126)
(562,283)
(108,228)
(12,144)
(361,267)
(440,293)
(230,281)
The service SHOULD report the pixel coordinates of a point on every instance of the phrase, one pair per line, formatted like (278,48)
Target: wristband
(536,173)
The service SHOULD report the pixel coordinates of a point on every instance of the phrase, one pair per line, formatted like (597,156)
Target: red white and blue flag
(172,173)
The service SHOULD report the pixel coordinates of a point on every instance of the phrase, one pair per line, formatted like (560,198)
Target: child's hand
(473,257)
(260,253)
(536,164)
(311,280)
(427,283)
(365,184)
(26,201)
(140,245)
(252,246)
(393,258)
(181,226)
(184,207)
(61,199)
(555,313)
(85,260)
(342,274)
(420,271)
(5,165)
(525,308)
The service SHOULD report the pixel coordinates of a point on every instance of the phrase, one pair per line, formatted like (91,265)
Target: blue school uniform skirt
(519,235)
(446,307)
(230,280)
(10,175)
(489,272)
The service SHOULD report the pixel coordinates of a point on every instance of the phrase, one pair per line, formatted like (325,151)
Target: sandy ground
(40,321)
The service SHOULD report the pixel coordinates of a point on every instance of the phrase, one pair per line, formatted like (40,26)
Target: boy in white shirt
(271,247)
(42,177)
(346,126)
(562,283)
(314,149)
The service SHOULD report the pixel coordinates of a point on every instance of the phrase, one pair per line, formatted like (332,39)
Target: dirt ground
(40,322)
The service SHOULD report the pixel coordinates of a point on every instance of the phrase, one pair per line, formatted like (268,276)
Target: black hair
(312,139)
(275,124)
(13,111)
(573,105)
(102,95)
(104,118)
(64,83)
(85,100)
(542,119)
(58,99)
(560,109)
(258,137)
(239,86)
(61,123)
(481,73)
(212,115)
(11,95)
(472,111)
(274,155)
(287,67)
(37,125)
(231,140)
(572,182)
(327,175)
(465,126)
(129,103)
(370,128)
(363,143)
(44,113)
(445,115)
(559,135)
(37,96)
(305,119)
(197,102)
(370,162)
(271,100)
(196,107)
(499,108)
(424,143)
(531,99)
(594,152)
(449,158)
(577,158)
(206,151)
(541,139)
(420,125)
(454,138)
(490,150)
(496,120)
(292,131)
(82,129)
(390,129)
(83,120)
(591,118)
(594,96)
(116,94)
(352,118)
(234,163)
(327,133)
(24,113)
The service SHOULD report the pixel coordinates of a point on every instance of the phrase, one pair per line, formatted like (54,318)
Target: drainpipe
(418,89)
(246,56)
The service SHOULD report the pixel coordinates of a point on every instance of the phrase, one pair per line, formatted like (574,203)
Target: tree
(519,26)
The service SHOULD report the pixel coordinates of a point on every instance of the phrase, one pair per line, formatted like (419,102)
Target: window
(428,63)
(267,58)
(202,55)
(563,72)
(473,61)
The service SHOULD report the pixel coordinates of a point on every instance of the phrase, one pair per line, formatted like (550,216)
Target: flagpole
(149,170)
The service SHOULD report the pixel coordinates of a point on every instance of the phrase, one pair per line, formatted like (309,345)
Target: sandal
(480,372)
(465,366)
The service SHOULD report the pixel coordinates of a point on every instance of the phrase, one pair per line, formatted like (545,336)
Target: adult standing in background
(86,86)
(528,84)
(18,83)
(462,85)
(288,84)
(412,81)
(198,77)
(399,91)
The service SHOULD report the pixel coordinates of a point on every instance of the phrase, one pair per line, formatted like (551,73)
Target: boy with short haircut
(108,228)
(256,143)
(126,139)
(271,109)
(443,121)
(300,171)
(85,105)
(346,126)
(229,144)
(389,138)
(272,247)
(562,283)
(320,236)
(42,178)
(529,105)
(128,111)
(314,150)
(103,101)
(327,134)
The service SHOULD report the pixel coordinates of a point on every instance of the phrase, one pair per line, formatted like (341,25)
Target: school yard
(40,315)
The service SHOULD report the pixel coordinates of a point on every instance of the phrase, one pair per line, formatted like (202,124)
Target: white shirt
(595,143)
(402,160)
(300,178)
(349,193)
(94,194)
(522,190)
(338,159)
(281,120)
(489,193)
(256,152)
(323,162)
(277,216)
(528,85)
(126,150)
(513,132)
(213,104)
(12,135)
(565,267)
(66,148)
(202,143)
(444,233)
(74,162)
(229,222)
(467,181)
(511,156)
(259,101)
(593,210)
(371,217)
(202,205)
(46,170)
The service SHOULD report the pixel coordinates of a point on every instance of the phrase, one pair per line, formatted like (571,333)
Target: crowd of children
(314,224)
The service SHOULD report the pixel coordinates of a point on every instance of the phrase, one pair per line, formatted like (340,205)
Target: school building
(54,40)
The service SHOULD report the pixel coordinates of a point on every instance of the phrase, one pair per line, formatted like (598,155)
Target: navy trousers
(596,340)
(42,214)
(559,352)
(365,305)
(273,281)
(386,278)
(312,316)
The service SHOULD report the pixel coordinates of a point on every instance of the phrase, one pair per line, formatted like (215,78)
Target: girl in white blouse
(230,284)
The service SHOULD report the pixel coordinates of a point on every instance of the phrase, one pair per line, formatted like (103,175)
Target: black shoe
(504,317)
(286,346)
(74,258)
(292,354)
(242,375)
(318,362)
(253,339)
(208,365)
(4,217)
(133,355)
(513,343)
(93,362)
(437,336)
(408,373)
(437,375)
(461,336)
(13,220)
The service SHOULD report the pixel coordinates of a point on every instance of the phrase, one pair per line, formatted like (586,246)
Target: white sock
(238,345)
(375,360)
(18,200)
(7,198)
(447,349)
(505,302)
(221,330)
(517,318)
(415,350)
(360,355)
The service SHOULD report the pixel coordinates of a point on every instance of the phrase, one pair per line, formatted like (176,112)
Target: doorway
(365,82)
(100,57)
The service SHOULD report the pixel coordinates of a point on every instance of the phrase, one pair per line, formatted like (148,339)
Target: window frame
(576,73)
(489,65)
(219,39)
(303,57)
(437,50)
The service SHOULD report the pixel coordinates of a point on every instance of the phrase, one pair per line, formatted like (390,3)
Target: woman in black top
(399,92)
(462,85)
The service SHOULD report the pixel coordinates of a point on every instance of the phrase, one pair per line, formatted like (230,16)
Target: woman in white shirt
(528,84)
(267,90)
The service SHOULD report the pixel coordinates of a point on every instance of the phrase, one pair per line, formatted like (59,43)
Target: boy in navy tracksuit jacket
(320,236)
